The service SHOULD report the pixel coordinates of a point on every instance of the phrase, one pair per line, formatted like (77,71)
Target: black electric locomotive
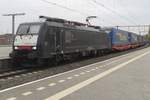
(57,39)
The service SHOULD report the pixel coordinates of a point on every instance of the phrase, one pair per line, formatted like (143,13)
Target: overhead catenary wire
(113,11)
(108,20)
(67,8)
(126,9)
(85,14)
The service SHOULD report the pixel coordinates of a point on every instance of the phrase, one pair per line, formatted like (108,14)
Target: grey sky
(136,11)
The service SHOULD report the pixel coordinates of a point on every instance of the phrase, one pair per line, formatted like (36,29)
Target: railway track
(12,73)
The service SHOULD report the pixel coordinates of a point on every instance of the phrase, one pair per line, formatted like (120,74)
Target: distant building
(6,39)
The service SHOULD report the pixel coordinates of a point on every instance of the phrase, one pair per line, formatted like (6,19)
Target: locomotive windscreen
(28,29)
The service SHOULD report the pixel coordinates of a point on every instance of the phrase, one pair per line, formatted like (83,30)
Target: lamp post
(13,20)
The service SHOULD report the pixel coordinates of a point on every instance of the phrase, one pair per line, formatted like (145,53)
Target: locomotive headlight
(34,48)
(15,48)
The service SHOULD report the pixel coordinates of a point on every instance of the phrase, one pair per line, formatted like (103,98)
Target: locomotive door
(52,43)
(49,43)
(58,41)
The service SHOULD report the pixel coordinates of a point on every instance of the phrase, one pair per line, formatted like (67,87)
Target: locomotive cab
(25,44)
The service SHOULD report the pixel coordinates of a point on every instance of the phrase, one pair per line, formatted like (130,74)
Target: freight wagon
(133,40)
(141,40)
(119,39)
